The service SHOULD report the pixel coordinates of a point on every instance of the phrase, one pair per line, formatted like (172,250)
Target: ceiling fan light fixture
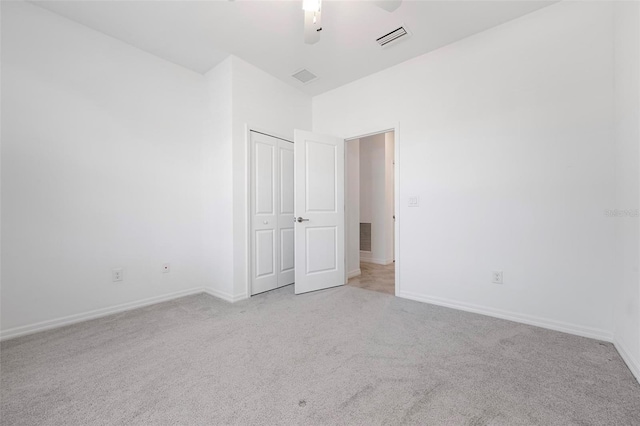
(311,5)
(312,20)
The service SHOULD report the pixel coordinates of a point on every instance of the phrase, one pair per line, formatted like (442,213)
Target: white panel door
(264,204)
(319,209)
(272,226)
(286,268)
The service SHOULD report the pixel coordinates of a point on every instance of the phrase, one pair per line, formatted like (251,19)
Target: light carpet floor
(341,356)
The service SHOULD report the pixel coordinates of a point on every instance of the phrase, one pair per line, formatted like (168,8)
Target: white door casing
(319,203)
(271,213)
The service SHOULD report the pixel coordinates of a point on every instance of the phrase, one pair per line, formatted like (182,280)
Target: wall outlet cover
(496,277)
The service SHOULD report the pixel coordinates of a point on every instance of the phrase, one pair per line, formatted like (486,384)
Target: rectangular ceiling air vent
(304,76)
(392,36)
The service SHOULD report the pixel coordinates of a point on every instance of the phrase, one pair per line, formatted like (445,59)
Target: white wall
(506,137)
(217,183)
(371,162)
(627,136)
(101,164)
(353,207)
(114,158)
(376,195)
(266,103)
(239,94)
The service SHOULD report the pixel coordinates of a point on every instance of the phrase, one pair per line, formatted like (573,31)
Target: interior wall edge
(354,273)
(227,297)
(575,329)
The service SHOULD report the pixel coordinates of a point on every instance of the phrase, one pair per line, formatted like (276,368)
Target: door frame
(395,128)
(248,194)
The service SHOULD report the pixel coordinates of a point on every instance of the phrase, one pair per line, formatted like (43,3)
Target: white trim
(97,313)
(593,333)
(371,133)
(266,132)
(247,205)
(227,297)
(396,194)
(103,312)
(628,359)
(354,273)
(376,261)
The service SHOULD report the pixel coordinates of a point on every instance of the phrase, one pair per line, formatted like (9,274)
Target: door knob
(300,220)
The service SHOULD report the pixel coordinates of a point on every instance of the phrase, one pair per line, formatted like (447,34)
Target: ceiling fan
(313,16)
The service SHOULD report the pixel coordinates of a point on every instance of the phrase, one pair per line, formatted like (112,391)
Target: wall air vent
(304,76)
(393,36)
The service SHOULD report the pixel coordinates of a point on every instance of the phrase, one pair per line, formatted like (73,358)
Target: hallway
(376,277)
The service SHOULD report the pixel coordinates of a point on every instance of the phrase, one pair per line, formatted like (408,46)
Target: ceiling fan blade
(312,27)
(388,5)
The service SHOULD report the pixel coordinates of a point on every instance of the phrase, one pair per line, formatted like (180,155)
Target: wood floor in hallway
(376,277)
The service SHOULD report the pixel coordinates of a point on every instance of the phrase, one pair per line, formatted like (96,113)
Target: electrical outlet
(496,277)
(166,268)
(117,275)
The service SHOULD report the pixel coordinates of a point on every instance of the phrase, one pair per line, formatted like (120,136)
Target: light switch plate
(414,201)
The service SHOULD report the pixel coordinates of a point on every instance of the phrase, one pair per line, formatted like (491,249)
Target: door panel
(320,178)
(319,201)
(272,231)
(264,178)
(287,251)
(264,225)
(265,253)
(286,272)
(286,178)
(321,249)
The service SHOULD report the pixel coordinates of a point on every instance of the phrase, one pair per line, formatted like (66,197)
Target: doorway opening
(370,207)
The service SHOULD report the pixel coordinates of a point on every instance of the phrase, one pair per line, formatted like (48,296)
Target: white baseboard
(376,261)
(626,356)
(593,333)
(97,313)
(354,273)
(227,297)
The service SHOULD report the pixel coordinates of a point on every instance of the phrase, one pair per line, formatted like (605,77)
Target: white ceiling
(269,34)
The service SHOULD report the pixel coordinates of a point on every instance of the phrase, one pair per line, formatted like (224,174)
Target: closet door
(286,271)
(272,226)
(265,256)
